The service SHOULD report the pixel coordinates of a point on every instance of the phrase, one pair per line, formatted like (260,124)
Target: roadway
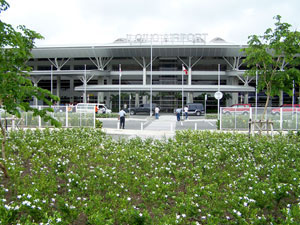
(145,126)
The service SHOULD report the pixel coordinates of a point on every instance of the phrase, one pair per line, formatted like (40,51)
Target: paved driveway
(164,123)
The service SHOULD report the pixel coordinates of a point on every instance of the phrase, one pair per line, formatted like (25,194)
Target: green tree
(275,57)
(16,89)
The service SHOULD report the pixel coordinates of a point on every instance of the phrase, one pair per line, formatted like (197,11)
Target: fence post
(40,119)
(281,119)
(13,123)
(235,119)
(296,119)
(196,124)
(94,119)
(221,115)
(67,116)
(80,119)
(26,119)
(118,125)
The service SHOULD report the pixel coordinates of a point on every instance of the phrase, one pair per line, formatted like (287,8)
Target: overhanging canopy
(164,88)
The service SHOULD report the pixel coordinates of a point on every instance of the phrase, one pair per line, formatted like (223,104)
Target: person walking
(122,115)
(186,110)
(156,110)
(178,112)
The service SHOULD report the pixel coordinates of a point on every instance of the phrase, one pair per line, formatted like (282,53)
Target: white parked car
(103,109)
(90,107)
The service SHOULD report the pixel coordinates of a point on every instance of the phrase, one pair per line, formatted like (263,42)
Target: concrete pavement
(149,127)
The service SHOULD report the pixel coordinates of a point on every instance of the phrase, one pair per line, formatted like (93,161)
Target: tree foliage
(275,57)
(16,88)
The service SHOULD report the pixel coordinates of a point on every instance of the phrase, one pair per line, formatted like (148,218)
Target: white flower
(128,198)
(183,215)
(26,203)
(245,204)
(141,214)
(177,216)
(58,220)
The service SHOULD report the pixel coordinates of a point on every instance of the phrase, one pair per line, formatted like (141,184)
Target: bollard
(171,127)
(195,126)
(118,124)
(142,126)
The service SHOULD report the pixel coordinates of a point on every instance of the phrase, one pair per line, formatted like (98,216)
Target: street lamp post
(120,75)
(151,77)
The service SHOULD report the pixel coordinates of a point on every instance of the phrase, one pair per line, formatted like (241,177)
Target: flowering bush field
(80,176)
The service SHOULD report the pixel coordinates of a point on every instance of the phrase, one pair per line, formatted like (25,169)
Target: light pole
(84,96)
(120,75)
(151,77)
(218,91)
(182,98)
(256,77)
(51,79)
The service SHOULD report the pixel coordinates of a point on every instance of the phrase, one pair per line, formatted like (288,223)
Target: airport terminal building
(144,68)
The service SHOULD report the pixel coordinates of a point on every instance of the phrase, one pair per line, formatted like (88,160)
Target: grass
(80,176)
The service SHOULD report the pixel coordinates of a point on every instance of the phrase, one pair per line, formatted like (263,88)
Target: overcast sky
(90,22)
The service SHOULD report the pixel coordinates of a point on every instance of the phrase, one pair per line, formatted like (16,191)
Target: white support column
(85,79)
(137,99)
(234,96)
(144,76)
(100,95)
(101,62)
(246,98)
(190,97)
(35,81)
(190,76)
(58,85)
(59,65)
(145,99)
(72,89)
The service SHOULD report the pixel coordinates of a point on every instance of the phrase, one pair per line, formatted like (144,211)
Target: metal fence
(238,118)
(66,115)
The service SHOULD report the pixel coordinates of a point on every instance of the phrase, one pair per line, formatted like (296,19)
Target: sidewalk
(164,123)
(162,128)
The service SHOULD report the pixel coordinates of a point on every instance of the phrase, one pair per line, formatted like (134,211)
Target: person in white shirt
(122,115)
(186,110)
(156,110)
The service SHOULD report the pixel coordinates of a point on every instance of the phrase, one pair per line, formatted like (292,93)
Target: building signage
(172,37)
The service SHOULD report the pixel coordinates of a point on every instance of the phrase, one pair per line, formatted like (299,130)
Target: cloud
(91,21)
